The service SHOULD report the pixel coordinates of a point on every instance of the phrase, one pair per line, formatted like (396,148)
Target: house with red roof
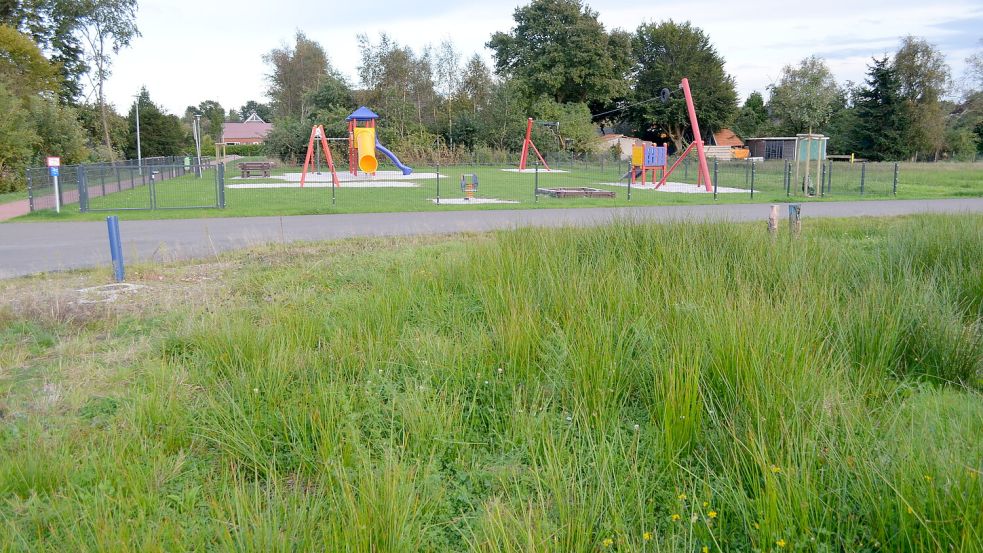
(251,131)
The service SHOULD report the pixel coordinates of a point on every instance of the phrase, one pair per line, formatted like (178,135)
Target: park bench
(247,168)
(582,192)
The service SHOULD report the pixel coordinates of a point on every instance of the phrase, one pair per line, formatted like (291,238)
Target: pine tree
(882,115)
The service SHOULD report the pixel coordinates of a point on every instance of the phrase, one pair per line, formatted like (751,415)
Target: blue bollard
(115,247)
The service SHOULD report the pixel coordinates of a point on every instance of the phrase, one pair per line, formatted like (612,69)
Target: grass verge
(626,388)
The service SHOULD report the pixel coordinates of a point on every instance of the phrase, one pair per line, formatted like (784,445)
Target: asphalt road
(28,248)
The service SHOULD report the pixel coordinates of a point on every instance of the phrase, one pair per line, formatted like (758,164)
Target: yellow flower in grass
(781,544)
(712,514)
(775,469)
(682,497)
(608,542)
(675,517)
(928,478)
(705,549)
(647,536)
(706,504)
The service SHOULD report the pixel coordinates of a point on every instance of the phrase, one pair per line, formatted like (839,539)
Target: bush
(246,150)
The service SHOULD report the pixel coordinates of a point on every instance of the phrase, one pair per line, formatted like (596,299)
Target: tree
(295,73)
(59,132)
(212,117)
(447,76)
(264,111)
(882,115)
(476,84)
(53,25)
(842,125)
(804,97)
(399,85)
(558,48)
(974,69)
(978,131)
(107,26)
(752,118)
(287,140)
(90,117)
(161,134)
(924,79)
(664,54)
(23,68)
(17,139)
(575,133)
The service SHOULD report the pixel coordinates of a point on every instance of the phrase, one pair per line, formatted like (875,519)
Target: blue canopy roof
(362,114)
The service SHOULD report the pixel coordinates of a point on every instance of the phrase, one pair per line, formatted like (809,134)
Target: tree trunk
(101,75)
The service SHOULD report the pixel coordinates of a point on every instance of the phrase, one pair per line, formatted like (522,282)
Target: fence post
(82,180)
(438,183)
(220,175)
(629,185)
(822,181)
(152,190)
(716,165)
(788,182)
(535,192)
(897,167)
(753,170)
(30,190)
(829,178)
(863,176)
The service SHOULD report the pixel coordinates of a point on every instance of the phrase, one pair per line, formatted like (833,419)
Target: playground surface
(27,248)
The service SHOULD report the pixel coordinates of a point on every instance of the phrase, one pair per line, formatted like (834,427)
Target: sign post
(54,164)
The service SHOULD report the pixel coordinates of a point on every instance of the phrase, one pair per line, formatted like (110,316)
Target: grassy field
(627,388)
(915,181)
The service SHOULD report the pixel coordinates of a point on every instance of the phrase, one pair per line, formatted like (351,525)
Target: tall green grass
(626,388)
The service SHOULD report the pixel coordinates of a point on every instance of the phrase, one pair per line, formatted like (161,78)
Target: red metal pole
(704,169)
(309,156)
(674,165)
(327,154)
(525,146)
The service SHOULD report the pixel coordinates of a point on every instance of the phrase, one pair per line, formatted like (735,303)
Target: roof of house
(726,137)
(245,131)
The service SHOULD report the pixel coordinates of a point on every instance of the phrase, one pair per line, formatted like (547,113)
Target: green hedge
(246,150)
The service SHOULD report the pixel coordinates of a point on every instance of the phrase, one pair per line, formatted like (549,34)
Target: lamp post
(139,153)
(197,133)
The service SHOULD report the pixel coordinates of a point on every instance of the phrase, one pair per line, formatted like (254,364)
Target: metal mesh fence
(565,180)
(491,181)
(159,183)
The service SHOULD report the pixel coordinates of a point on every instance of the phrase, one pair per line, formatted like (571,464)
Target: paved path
(13,209)
(27,248)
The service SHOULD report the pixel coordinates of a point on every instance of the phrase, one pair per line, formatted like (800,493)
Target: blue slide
(392,157)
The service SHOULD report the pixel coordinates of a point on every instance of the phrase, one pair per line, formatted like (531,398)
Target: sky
(195,51)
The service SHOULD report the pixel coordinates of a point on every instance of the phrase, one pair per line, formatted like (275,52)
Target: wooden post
(773,219)
(794,219)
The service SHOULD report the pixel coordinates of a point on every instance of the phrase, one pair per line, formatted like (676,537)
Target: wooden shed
(788,147)
(772,147)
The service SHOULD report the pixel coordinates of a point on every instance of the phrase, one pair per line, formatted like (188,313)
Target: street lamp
(197,133)
(139,153)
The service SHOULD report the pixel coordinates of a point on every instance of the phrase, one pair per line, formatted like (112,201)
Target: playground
(356,173)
